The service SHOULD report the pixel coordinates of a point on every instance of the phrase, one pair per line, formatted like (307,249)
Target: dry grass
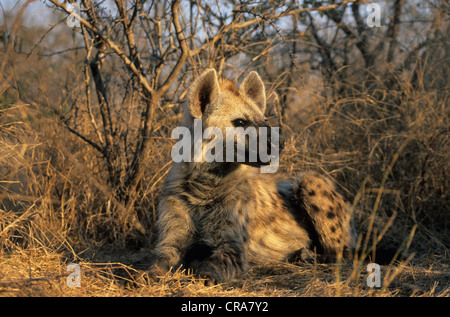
(55,207)
(383,135)
(39,272)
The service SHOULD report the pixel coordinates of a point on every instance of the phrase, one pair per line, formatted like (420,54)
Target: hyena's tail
(326,215)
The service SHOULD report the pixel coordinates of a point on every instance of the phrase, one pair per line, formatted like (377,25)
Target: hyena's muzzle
(254,143)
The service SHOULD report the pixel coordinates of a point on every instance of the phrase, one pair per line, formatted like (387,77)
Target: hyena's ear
(203,91)
(253,87)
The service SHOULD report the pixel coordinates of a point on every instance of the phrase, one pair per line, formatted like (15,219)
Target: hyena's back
(295,215)
(273,231)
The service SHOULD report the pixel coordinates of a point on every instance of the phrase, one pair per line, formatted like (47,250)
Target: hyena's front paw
(158,268)
(215,271)
(302,256)
(209,275)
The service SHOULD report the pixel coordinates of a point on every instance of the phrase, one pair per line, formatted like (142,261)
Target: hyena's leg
(328,213)
(228,260)
(175,233)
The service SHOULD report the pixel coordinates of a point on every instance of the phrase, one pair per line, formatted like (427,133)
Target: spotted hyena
(219,218)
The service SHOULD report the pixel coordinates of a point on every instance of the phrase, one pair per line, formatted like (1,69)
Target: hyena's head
(237,113)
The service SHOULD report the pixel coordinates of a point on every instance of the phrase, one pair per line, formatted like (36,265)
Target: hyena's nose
(280,144)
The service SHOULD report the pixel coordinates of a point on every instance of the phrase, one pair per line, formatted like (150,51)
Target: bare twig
(143,81)
(393,29)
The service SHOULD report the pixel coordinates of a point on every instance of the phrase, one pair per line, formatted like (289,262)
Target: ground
(41,272)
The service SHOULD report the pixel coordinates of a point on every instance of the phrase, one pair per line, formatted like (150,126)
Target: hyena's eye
(239,122)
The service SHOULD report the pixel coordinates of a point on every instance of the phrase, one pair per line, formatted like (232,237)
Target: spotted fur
(221,218)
